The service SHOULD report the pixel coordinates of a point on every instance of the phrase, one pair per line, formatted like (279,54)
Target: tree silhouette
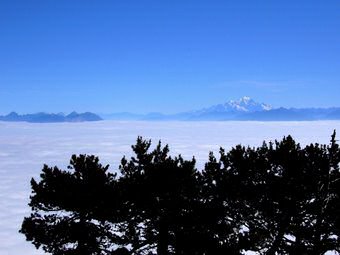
(71,209)
(161,190)
(278,198)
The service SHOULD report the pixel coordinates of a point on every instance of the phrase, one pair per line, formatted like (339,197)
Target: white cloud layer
(25,147)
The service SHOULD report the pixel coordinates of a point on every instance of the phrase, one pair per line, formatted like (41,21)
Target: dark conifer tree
(161,190)
(316,225)
(71,209)
(218,219)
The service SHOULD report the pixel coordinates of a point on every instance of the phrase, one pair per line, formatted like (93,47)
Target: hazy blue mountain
(122,116)
(80,117)
(42,117)
(243,109)
(294,114)
(231,110)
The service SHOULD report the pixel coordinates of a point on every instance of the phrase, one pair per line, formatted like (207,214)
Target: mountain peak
(245,100)
(72,114)
(246,104)
(12,114)
(243,105)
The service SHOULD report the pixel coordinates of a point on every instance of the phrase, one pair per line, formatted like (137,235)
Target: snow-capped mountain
(244,105)
(243,109)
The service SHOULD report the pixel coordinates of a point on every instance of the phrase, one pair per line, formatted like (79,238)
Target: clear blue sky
(167,56)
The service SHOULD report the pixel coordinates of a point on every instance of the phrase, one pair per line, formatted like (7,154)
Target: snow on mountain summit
(244,104)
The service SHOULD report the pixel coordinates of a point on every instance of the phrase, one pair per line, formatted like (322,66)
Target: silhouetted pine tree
(316,226)
(71,209)
(159,192)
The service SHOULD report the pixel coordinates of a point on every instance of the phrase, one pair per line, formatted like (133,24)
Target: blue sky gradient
(167,56)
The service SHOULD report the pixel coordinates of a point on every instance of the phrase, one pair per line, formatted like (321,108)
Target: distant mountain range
(242,109)
(51,117)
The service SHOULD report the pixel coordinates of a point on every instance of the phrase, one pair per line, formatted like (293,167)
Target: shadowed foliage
(278,198)
(72,209)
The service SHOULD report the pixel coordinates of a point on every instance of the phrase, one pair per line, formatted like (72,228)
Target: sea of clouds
(24,148)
